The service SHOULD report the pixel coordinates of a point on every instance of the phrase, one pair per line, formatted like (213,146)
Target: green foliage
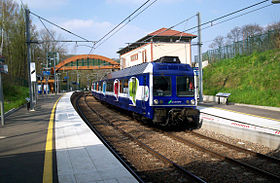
(253,79)
(14,96)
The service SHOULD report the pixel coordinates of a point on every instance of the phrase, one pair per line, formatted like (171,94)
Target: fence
(259,43)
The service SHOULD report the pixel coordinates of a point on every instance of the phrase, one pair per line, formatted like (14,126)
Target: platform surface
(249,110)
(81,156)
(22,143)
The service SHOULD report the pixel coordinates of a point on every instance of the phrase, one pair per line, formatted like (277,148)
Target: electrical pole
(1,85)
(54,74)
(200,59)
(27,13)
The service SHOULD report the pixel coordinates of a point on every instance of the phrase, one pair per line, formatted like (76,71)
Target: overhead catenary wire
(171,27)
(128,19)
(210,21)
(224,16)
(243,14)
(41,18)
(47,29)
(126,23)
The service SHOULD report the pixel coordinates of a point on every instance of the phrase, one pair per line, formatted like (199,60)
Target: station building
(163,42)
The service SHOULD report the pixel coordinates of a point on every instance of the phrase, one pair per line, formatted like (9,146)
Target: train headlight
(156,101)
(192,101)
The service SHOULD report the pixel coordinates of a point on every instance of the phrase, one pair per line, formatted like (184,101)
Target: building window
(124,86)
(123,63)
(144,56)
(134,57)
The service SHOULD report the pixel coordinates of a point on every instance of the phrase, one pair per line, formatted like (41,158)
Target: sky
(92,19)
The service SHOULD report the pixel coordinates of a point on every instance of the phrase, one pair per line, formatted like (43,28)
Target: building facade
(163,42)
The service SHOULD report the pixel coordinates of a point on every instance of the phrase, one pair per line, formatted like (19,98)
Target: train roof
(150,67)
(134,70)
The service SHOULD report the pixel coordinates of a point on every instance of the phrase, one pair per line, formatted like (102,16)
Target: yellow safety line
(48,166)
(247,114)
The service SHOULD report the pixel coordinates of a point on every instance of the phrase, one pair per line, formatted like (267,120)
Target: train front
(174,95)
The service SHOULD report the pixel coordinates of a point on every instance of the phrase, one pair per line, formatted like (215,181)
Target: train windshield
(185,86)
(162,86)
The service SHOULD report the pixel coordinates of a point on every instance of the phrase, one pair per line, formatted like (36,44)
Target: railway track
(263,165)
(180,150)
(191,176)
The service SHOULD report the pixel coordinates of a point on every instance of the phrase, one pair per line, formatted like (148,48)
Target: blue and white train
(162,91)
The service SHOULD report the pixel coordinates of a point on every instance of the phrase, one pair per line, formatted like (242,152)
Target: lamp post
(200,59)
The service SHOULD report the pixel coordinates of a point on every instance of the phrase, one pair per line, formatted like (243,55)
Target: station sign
(196,70)
(33,72)
(46,73)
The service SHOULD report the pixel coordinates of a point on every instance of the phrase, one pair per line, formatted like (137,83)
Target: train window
(100,87)
(124,86)
(185,86)
(121,88)
(162,85)
(109,86)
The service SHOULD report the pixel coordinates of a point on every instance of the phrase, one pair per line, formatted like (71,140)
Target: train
(162,92)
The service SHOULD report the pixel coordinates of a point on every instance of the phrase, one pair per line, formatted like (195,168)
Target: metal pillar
(2,102)
(67,82)
(27,13)
(200,59)
(54,74)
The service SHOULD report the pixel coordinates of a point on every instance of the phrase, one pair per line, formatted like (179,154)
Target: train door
(144,92)
(116,89)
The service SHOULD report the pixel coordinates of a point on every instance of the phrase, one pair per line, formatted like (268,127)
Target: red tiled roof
(170,32)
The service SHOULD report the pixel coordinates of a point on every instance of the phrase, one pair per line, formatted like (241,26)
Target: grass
(14,96)
(253,79)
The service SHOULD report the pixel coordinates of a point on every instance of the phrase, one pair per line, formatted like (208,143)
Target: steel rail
(221,156)
(149,149)
(270,158)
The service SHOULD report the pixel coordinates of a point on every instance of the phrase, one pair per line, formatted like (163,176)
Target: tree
(218,42)
(234,35)
(12,22)
(251,30)
(274,26)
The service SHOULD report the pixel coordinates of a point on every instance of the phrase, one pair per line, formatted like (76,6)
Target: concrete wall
(182,50)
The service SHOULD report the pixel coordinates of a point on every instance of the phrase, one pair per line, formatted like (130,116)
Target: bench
(225,96)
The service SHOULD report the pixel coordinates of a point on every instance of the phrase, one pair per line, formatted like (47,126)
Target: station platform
(53,144)
(257,124)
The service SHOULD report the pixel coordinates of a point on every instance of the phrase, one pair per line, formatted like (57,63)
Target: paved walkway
(72,153)
(23,141)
